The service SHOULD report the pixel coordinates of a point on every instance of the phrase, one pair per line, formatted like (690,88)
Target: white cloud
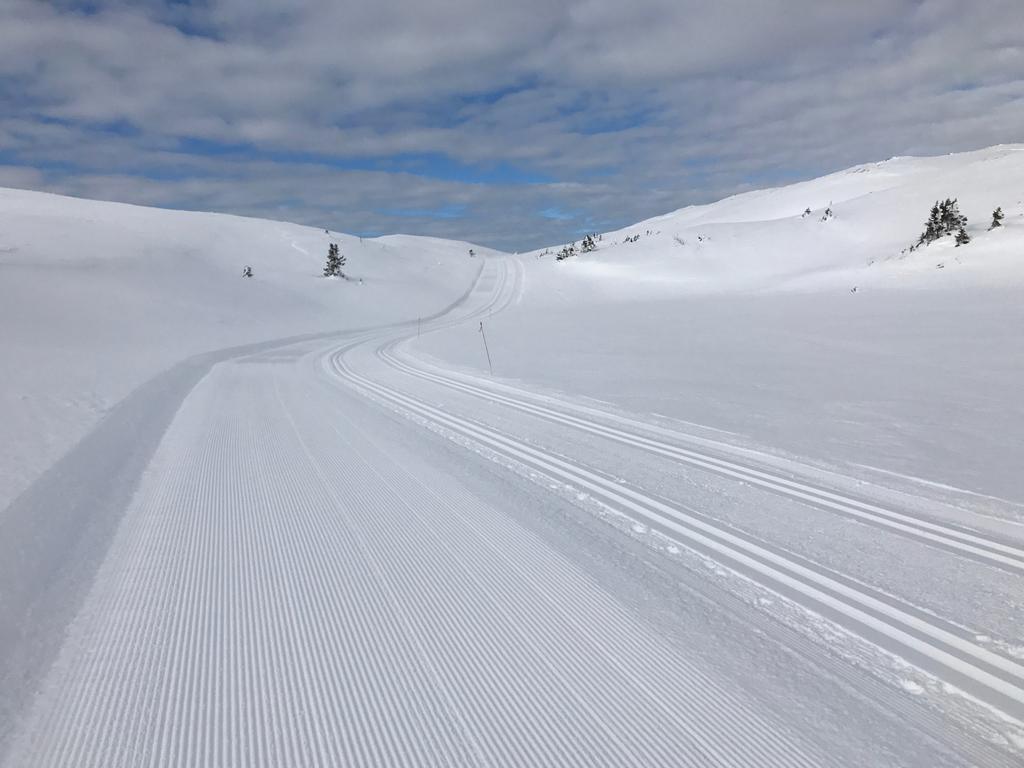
(629,109)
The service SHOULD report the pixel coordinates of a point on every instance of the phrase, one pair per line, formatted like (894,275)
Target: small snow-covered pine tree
(950,218)
(933,229)
(335,261)
(962,238)
(997,218)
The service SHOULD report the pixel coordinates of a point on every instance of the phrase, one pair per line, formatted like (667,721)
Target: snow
(755,330)
(97,297)
(912,687)
(762,241)
(712,506)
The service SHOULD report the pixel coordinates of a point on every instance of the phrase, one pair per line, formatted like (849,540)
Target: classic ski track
(994,679)
(952,538)
(284,593)
(685,720)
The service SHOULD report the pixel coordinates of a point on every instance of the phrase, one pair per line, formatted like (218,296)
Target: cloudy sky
(514,123)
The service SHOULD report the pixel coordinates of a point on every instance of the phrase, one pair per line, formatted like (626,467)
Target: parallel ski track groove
(947,536)
(1002,679)
(377,620)
(550,754)
(683,710)
(691,721)
(283,594)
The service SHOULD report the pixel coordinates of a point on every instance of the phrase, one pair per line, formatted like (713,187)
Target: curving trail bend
(330,561)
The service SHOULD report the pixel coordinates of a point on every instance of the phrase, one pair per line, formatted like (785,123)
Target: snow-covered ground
(765,240)
(922,383)
(751,327)
(712,507)
(95,298)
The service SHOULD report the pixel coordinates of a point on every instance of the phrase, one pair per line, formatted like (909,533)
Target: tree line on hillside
(945,219)
(587,245)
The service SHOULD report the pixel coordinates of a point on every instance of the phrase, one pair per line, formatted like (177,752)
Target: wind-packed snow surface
(704,511)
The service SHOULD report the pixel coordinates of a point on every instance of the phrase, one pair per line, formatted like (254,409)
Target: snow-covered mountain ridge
(860,224)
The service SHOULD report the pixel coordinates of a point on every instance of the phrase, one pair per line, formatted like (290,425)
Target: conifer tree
(933,228)
(962,238)
(944,219)
(997,218)
(335,261)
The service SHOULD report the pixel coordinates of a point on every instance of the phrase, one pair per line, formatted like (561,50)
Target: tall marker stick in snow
(486,350)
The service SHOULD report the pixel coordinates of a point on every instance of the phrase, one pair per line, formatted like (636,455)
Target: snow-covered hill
(765,240)
(740,316)
(793,519)
(96,297)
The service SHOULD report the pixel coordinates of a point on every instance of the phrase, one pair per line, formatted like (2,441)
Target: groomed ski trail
(284,592)
(304,579)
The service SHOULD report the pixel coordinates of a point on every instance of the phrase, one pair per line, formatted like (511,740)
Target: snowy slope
(96,297)
(751,326)
(763,241)
(337,551)
(337,556)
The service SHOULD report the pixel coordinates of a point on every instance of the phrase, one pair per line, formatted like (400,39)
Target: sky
(510,124)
